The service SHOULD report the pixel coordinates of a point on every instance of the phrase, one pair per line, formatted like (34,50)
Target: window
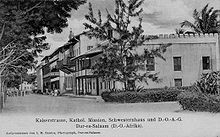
(86,63)
(105,84)
(150,64)
(77,65)
(73,63)
(100,85)
(81,62)
(113,84)
(206,63)
(79,50)
(110,33)
(178,82)
(109,85)
(177,63)
(89,47)
(93,85)
(90,84)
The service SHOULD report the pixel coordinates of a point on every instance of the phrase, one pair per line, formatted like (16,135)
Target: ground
(20,115)
(63,105)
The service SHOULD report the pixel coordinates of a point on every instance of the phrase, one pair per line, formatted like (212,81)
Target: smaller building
(25,86)
(39,79)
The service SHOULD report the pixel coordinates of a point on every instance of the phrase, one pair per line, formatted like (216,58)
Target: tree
(30,78)
(204,21)
(23,24)
(121,60)
(179,31)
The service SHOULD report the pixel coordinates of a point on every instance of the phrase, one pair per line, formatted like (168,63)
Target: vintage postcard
(109,68)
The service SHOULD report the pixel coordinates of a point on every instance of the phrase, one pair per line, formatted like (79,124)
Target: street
(20,113)
(38,104)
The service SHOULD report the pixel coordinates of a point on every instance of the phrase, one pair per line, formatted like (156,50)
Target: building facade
(39,78)
(25,86)
(185,60)
(56,70)
(85,83)
(68,68)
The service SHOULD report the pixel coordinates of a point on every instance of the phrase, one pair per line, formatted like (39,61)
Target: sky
(159,17)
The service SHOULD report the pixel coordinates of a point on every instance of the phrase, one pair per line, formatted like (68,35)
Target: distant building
(25,86)
(39,78)
(55,68)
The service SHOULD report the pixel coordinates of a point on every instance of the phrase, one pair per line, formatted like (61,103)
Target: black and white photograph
(110,68)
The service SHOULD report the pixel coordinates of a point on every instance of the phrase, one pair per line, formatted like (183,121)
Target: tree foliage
(204,21)
(121,60)
(23,24)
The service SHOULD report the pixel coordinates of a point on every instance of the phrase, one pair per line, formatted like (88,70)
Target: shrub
(209,82)
(147,95)
(201,96)
(196,100)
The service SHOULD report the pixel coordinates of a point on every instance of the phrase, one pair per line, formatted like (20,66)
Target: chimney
(71,35)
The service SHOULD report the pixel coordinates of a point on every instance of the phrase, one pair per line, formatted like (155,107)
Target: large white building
(186,59)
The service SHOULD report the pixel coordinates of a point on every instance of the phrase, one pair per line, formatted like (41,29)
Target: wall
(85,42)
(69,82)
(39,78)
(191,49)
(61,81)
(25,86)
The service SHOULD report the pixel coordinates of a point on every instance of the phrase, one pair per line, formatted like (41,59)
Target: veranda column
(86,91)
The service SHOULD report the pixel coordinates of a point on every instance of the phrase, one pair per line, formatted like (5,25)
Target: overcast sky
(159,16)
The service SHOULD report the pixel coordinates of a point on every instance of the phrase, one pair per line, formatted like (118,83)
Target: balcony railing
(52,74)
(54,70)
(83,64)
(65,62)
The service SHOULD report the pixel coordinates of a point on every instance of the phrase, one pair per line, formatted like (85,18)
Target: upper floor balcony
(50,71)
(55,69)
(64,62)
(52,74)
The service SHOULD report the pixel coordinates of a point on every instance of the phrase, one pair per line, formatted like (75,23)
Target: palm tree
(205,21)
(179,31)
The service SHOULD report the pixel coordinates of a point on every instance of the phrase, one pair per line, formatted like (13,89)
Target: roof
(77,37)
(66,70)
(66,46)
(44,58)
